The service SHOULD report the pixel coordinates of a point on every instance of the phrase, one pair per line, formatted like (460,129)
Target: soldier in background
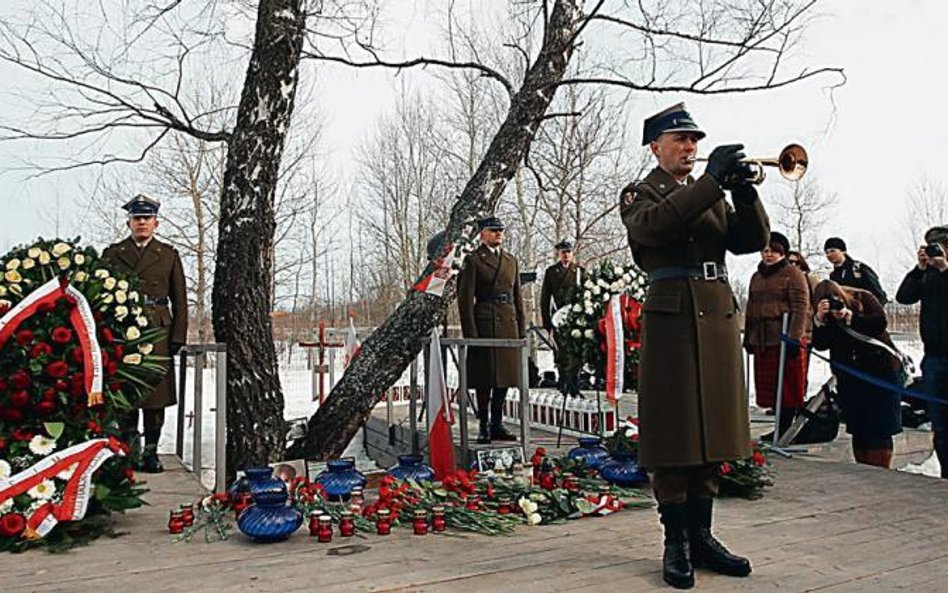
(165,304)
(849,272)
(490,306)
(560,282)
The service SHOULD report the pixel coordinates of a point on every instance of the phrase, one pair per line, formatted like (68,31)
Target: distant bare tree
(802,211)
(927,206)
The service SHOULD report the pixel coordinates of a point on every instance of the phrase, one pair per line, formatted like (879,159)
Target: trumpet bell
(793,162)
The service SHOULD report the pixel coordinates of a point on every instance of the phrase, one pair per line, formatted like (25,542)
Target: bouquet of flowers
(583,330)
(76,354)
(625,439)
(746,478)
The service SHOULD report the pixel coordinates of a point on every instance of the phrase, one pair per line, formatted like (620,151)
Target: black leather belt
(499,298)
(162,302)
(708,270)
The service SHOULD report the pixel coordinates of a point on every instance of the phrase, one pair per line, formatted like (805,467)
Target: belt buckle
(710,270)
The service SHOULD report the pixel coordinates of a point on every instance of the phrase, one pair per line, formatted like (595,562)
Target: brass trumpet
(792,163)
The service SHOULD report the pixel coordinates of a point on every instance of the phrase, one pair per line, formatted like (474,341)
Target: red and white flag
(435,282)
(440,414)
(352,344)
(615,350)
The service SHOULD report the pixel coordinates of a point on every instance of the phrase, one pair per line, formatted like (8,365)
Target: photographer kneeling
(928,283)
(844,318)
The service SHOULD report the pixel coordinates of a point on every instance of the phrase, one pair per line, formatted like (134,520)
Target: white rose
(588,333)
(42,445)
(132,359)
(109,283)
(136,311)
(44,257)
(577,308)
(535,518)
(12,276)
(616,286)
(626,278)
(123,284)
(146,348)
(42,491)
(133,333)
(79,259)
(133,296)
(596,290)
(586,295)
(589,310)
(5,470)
(619,270)
(13,264)
(141,321)
(588,284)
(107,298)
(60,248)
(575,333)
(602,283)
(28,263)
(605,297)
(120,296)
(34,252)
(64,263)
(580,321)
(80,276)
(101,273)
(121,312)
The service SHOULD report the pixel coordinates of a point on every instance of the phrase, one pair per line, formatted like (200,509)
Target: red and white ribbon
(615,350)
(87,458)
(435,282)
(82,321)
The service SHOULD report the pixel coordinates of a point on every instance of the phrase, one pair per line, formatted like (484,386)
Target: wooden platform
(828,526)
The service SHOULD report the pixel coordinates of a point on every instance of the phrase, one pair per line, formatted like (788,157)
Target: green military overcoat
(692,406)
(486,313)
(559,285)
(161,277)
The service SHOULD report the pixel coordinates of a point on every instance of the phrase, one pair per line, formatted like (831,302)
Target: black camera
(934,250)
(836,303)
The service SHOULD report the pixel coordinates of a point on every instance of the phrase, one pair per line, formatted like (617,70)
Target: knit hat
(834,243)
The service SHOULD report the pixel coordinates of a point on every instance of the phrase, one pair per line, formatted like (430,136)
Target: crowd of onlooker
(844,315)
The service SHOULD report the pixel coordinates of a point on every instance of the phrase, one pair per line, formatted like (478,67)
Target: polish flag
(440,414)
(352,343)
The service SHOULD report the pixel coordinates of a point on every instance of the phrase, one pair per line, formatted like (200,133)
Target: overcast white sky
(869,143)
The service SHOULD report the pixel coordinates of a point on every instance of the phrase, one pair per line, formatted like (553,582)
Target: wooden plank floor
(825,526)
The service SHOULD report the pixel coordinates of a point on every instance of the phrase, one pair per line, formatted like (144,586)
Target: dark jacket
(775,290)
(161,277)
(869,410)
(931,288)
(559,284)
(858,275)
(692,408)
(490,306)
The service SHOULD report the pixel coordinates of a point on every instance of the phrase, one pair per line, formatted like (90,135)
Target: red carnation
(12,525)
(57,369)
(77,356)
(93,426)
(23,337)
(129,474)
(3,443)
(49,394)
(105,358)
(111,368)
(61,385)
(19,399)
(11,415)
(19,434)
(41,349)
(61,335)
(4,308)
(45,408)
(118,353)
(116,385)
(20,380)
(106,334)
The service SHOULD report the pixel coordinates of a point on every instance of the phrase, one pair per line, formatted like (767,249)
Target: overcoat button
(700,313)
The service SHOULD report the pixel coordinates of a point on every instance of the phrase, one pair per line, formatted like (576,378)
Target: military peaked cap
(491,222)
(142,205)
(673,119)
(564,245)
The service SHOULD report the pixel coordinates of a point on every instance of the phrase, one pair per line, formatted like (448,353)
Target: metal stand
(774,445)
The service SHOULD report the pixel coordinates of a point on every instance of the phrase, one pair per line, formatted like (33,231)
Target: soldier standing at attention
(490,306)
(692,410)
(560,282)
(849,272)
(165,304)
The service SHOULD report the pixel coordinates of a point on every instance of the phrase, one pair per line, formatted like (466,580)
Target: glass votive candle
(187,514)
(356,497)
(420,522)
(503,505)
(473,503)
(324,529)
(314,523)
(346,524)
(438,522)
(175,522)
(383,522)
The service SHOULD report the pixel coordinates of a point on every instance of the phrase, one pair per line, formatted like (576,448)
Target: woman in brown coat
(777,288)
(872,413)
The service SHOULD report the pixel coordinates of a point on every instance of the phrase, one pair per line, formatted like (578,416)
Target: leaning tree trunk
(241,295)
(391,348)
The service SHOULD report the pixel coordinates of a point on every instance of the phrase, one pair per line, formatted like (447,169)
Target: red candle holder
(503,506)
(356,498)
(571,482)
(473,503)
(243,501)
(383,522)
(187,514)
(438,522)
(346,524)
(324,531)
(314,523)
(420,522)
(175,522)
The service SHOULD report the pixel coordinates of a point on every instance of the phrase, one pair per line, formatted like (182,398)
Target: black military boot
(676,562)
(497,430)
(706,550)
(150,464)
(483,415)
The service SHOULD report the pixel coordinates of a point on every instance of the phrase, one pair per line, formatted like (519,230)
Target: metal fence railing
(200,353)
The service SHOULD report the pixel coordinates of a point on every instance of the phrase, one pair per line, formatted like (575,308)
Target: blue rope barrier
(901,390)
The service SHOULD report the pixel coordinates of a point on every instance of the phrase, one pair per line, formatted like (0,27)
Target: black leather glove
(176,347)
(744,193)
(738,176)
(722,159)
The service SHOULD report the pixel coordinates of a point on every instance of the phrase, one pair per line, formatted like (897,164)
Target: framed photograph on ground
(499,459)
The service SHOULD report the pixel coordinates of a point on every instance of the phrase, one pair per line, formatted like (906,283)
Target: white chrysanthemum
(6,506)
(146,348)
(133,333)
(580,321)
(110,283)
(12,276)
(101,273)
(34,252)
(44,257)
(121,312)
(142,321)
(619,270)
(28,263)
(60,249)
(13,264)
(67,473)
(123,284)
(588,310)
(42,445)
(602,283)
(587,295)
(42,491)
(79,259)
(575,333)
(5,470)
(120,296)
(588,334)
(132,359)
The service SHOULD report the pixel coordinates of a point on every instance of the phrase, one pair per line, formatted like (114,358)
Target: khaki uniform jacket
(775,290)
(161,276)
(692,408)
(490,306)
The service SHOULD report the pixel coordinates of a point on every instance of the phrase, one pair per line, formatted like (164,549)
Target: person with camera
(850,272)
(927,283)
(692,410)
(777,289)
(846,323)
